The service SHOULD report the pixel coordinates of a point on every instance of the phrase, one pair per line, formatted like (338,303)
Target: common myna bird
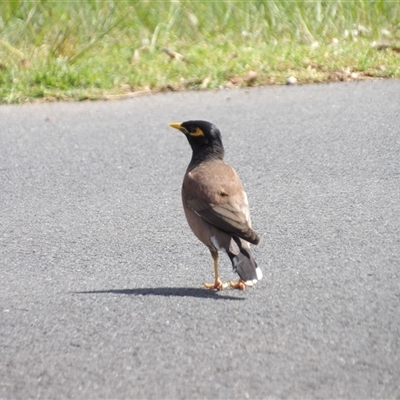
(216,205)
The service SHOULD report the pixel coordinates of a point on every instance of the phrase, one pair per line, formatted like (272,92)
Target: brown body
(212,184)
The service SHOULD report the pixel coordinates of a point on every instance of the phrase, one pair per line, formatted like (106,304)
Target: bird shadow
(167,292)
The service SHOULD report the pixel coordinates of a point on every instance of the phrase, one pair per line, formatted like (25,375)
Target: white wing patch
(246,209)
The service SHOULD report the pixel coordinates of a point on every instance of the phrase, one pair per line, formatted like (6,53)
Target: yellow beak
(176,125)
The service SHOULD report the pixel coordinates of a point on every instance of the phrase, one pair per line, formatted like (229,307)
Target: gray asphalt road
(101,279)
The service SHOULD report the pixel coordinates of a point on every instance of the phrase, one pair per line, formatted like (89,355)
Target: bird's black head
(204,138)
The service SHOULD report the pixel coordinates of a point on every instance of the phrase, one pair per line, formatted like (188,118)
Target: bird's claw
(240,284)
(217,285)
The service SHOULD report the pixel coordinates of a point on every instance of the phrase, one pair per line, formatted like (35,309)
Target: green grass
(92,49)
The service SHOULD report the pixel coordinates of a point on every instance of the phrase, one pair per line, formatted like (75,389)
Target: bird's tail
(243,262)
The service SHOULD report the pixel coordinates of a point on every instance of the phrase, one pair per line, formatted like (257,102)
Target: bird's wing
(224,216)
(215,193)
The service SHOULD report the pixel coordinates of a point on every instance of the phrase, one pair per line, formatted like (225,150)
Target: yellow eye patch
(197,132)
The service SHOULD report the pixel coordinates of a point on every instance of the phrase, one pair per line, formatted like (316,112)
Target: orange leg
(218,285)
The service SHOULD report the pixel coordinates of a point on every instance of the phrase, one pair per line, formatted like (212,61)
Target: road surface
(101,279)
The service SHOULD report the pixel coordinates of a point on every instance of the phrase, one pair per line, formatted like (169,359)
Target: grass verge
(91,49)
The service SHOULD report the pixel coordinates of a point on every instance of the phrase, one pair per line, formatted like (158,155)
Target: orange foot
(217,285)
(240,284)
